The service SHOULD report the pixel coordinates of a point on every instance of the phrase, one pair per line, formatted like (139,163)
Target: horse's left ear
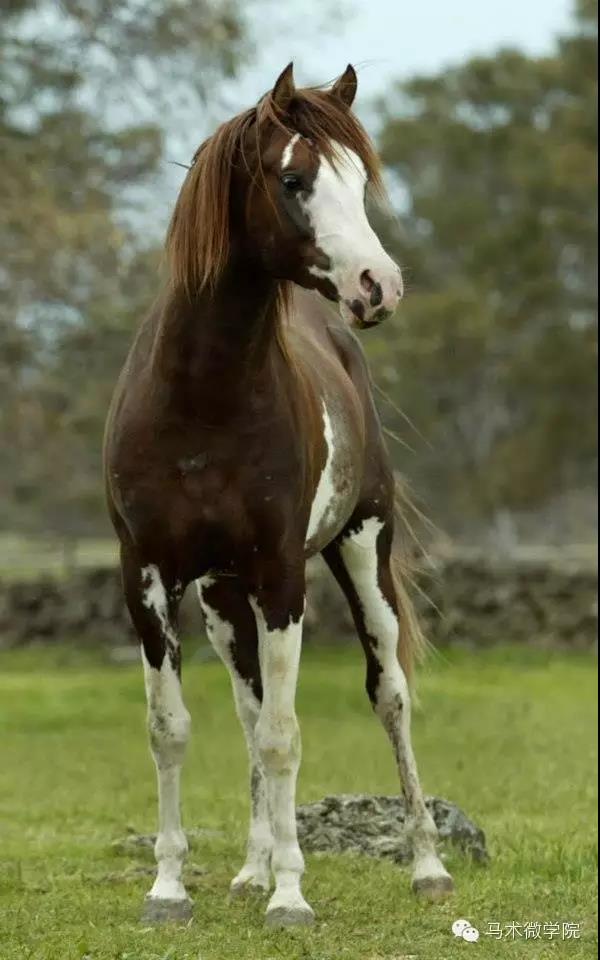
(284,88)
(344,88)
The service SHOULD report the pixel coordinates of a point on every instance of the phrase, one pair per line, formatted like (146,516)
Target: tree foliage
(75,79)
(494,352)
(492,355)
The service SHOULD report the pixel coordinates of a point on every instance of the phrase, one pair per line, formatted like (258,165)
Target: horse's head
(305,212)
(284,186)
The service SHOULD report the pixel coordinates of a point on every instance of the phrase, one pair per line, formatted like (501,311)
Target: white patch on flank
(278,741)
(169,727)
(323,505)
(154,597)
(255,871)
(286,156)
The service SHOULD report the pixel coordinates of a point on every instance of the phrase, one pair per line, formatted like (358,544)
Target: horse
(243,439)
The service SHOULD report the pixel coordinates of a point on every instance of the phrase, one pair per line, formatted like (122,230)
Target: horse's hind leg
(152,601)
(360,561)
(231,628)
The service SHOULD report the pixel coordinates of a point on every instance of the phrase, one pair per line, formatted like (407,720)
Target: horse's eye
(291,182)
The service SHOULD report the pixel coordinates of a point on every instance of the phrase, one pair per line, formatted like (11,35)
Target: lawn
(508,735)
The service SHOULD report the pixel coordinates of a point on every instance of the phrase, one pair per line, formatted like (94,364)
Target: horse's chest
(338,484)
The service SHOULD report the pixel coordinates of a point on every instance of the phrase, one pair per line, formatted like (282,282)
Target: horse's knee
(169,732)
(278,744)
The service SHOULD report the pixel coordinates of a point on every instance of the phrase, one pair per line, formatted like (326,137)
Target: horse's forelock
(198,240)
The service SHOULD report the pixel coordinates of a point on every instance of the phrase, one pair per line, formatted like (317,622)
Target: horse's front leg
(153,599)
(231,628)
(279,615)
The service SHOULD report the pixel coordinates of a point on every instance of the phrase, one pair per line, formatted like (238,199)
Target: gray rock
(376,826)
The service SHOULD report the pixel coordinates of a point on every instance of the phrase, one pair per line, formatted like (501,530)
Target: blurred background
(487,128)
(485,116)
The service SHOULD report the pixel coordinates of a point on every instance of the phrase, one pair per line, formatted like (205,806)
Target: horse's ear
(284,88)
(344,88)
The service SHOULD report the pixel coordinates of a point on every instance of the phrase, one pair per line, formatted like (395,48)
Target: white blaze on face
(336,212)
(288,153)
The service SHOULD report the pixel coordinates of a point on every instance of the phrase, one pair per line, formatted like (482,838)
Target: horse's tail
(406,553)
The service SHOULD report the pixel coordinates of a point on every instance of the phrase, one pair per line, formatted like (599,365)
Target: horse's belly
(339,484)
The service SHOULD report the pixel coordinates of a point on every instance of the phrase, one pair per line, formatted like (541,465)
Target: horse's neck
(215,346)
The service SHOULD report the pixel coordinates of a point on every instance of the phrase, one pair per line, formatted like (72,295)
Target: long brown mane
(198,239)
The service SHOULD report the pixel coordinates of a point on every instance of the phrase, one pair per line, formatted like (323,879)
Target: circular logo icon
(459,926)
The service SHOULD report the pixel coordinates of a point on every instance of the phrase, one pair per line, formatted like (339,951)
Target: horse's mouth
(354,313)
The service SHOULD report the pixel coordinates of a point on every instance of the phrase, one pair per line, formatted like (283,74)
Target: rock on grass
(376,826)
(360,823)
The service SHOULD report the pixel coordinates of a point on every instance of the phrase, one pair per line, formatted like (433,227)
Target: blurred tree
(493,354)
(494,351)
(74,79)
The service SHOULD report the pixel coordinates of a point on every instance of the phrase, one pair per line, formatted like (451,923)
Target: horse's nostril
(376,295)
(371,287)
(367,281)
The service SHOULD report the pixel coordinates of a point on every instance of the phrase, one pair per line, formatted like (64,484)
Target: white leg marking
(255,872)
(154,597)
(359,553)
(168,727)
(278,740)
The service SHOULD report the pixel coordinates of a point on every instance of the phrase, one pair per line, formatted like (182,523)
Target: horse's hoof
(249,887)
(434,888)
(298,916)
(167,911)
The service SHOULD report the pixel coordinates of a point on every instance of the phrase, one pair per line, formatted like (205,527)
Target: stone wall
(467,600)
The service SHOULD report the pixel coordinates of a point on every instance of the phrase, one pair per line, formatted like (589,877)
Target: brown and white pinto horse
(243,439)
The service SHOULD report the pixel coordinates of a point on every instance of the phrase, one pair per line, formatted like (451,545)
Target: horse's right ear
(344,88)
(284,89)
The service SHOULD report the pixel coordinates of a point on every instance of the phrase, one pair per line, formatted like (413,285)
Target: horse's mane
(198,239)
(199,235)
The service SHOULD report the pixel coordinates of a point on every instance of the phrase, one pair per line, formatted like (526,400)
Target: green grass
(507,735)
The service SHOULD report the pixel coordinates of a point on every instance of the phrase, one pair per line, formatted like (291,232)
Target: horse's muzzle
(358,316)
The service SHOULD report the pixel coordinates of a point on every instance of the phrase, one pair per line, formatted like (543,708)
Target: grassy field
(507,735)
